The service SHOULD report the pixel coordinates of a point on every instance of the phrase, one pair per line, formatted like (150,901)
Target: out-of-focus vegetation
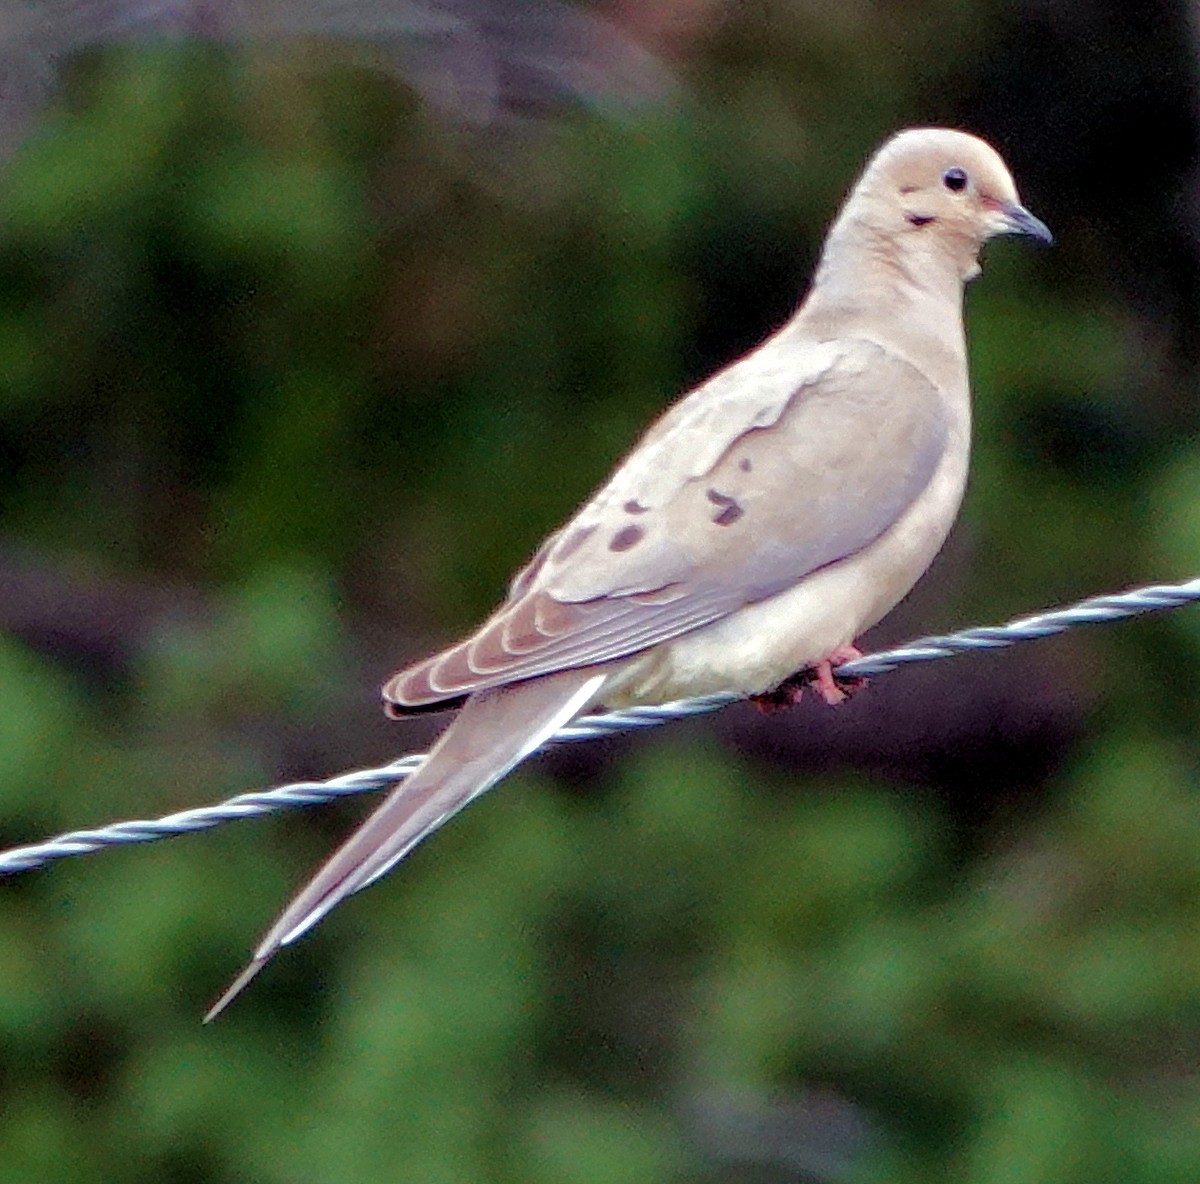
(294,373)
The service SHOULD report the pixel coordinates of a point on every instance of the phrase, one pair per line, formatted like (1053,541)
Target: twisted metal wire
(1114,607)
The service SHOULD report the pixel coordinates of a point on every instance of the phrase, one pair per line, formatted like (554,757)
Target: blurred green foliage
(293,376)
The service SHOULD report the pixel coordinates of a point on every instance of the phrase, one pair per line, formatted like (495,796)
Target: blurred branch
(1096,609)
(481,62)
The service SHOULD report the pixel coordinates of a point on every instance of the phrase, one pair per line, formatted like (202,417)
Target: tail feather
(494,731)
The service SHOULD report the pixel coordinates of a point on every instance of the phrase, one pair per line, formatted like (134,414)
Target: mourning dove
(766,520)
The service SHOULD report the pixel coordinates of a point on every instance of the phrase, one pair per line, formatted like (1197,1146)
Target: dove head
(932,197)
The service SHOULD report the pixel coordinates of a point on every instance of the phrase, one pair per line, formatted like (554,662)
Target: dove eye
(955,180)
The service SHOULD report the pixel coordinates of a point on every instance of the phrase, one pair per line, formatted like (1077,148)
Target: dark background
(305,342)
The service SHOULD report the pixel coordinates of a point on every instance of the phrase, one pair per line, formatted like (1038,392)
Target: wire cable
(1113,607)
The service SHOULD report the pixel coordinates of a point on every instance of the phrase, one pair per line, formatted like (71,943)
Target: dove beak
(1016,219)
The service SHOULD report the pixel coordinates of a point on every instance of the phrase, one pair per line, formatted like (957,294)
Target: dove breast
(858,580)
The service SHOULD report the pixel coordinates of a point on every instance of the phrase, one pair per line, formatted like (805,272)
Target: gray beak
(1021,221)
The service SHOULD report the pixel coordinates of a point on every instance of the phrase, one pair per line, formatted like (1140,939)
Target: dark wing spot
(745,465)
(633,506)
(626,537)
(921,219)
(573,542)
(730,510)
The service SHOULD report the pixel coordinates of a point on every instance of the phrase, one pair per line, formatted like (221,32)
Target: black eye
(955,180)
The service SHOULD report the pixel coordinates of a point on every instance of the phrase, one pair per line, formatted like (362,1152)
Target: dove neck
(903,284)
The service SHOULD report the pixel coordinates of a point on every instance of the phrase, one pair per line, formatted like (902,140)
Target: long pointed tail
(493,732)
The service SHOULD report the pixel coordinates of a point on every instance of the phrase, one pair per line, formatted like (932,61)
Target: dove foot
(819,677)
(832,689)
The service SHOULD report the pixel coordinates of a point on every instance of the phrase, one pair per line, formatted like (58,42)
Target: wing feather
(749,484)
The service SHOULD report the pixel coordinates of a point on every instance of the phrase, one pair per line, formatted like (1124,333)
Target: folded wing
(741,490)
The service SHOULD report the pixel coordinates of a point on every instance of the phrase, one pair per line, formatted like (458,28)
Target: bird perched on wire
(766,520)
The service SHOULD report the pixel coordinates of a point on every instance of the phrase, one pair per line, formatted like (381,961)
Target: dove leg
(819,677)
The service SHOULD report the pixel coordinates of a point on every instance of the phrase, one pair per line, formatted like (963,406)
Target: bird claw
(832,689)
(820,678)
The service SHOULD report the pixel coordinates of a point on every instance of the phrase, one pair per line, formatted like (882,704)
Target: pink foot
(820,677)
(829,688)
